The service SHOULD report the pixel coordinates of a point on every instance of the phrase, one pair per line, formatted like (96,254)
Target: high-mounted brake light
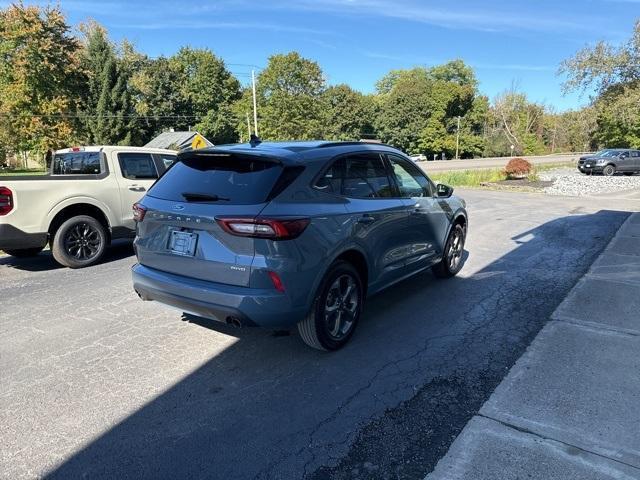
(273,228)
(139,211)
(6,200)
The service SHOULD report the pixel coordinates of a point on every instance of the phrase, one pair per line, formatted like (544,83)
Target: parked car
(609,162)
(420,157)
(279,234)
(81,205)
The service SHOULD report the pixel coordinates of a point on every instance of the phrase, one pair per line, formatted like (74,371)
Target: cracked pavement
(96,383)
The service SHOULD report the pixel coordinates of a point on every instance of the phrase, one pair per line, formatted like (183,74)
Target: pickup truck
(83,203)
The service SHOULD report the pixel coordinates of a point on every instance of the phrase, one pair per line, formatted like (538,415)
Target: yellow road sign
(198,142)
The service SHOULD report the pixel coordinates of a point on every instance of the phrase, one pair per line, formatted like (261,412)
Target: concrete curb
(568,408)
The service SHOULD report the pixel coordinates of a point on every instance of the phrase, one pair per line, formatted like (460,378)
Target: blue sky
(358,41)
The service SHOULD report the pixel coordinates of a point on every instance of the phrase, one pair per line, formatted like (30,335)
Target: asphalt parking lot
(96,383)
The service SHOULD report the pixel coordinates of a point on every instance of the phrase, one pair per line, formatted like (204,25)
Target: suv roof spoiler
(221,152)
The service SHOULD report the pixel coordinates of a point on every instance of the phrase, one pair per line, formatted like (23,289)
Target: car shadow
(44,261)
(269,407)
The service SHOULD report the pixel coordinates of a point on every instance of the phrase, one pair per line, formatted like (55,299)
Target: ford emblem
(178,207)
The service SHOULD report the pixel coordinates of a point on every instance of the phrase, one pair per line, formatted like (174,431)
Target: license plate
(588,165)
(183,243)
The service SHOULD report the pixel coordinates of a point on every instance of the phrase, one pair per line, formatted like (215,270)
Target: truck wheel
(451,262)
(336,309)
(609,170)
(79,242)
(25,252)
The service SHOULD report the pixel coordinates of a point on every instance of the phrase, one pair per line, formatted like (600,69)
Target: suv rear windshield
(77,163)
(235,179)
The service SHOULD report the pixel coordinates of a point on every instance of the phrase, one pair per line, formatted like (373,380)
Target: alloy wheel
(341,306)
(456,248)
(82,241)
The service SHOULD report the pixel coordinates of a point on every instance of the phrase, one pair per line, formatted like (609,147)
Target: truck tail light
(139,211)
(6,200)
(273,228)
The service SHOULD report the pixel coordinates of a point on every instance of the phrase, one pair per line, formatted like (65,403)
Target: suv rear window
(242,179)
(77,163)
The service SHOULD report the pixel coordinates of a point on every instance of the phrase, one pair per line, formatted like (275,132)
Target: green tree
(38,96)
(107,110)
(514,120)
(614,74)
(157,97)
(604,65)
(419,110)
(289,96)
(349,114)
(192,88)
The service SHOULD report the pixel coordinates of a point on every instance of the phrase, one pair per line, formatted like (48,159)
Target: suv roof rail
(354,142)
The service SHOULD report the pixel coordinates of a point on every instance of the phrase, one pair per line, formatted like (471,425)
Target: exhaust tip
(234,321)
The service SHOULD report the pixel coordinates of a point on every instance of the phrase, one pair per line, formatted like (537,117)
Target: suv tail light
(277,282)
(276,229)
(6,200)
(139,211)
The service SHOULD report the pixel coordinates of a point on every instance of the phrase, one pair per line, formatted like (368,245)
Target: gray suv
(278,234)
(609,162)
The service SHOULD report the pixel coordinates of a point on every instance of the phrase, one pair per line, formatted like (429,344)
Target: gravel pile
(573,183)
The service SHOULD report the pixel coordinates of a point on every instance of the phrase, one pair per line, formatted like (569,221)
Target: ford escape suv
(279,234)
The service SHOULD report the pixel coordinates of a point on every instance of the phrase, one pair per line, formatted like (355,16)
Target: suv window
(239,179)
(137,165)
(357,176)
(77,163)
(635,153)
(411,182)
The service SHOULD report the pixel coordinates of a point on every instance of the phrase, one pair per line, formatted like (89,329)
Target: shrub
(517,168)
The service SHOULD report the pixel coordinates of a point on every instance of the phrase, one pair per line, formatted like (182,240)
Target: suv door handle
(366,219)
(137,188)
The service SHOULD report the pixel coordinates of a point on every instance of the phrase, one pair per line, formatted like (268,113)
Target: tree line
(59,88)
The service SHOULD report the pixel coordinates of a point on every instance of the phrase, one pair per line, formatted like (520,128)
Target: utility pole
(248,125)
(458,140)
(255,108)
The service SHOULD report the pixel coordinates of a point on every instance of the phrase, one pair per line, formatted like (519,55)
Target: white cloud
(210,25)
(458,16)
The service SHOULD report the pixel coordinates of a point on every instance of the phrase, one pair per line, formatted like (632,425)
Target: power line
(109,115)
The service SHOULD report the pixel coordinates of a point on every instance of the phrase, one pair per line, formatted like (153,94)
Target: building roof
(177,139)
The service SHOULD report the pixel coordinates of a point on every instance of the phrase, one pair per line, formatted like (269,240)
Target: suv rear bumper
(224,303)
(12,238)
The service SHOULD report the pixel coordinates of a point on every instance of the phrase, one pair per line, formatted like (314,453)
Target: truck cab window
(77,163)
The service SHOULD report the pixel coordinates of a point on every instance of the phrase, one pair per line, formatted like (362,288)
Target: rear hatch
(179,233)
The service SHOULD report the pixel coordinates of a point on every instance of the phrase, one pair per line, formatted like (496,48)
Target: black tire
(451,262)
(79,242)
(330,330)
(609,170)
(25,252)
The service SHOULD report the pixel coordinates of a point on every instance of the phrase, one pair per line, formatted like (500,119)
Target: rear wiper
(202,197)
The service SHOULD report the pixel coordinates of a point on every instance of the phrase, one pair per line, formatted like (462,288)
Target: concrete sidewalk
(570,407)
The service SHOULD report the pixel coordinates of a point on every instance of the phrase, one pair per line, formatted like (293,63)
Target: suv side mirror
(443,190)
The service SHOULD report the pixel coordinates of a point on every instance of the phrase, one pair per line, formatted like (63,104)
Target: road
(95,383)
(480,163)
